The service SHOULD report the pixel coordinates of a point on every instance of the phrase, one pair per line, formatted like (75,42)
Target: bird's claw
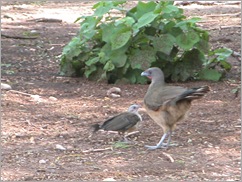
(163,146)
(154,147)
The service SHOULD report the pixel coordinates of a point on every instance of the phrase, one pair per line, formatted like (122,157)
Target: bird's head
(134,108)
(154,73)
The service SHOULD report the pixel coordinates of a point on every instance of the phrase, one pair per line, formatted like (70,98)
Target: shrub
(119,46)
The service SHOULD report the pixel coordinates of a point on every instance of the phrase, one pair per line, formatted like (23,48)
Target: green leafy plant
(121,145)
(6,69)
(116,44)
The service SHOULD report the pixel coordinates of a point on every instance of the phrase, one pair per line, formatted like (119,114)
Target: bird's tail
(95,128)
(193,93)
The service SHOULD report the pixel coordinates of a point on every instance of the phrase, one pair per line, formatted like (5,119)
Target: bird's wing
(121,122)
(158,96)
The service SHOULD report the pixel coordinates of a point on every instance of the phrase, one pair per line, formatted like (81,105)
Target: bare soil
(208,141)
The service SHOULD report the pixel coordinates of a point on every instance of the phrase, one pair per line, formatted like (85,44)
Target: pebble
(60,147)
(42,161)
(109,179)
(5,86)
(114,92)
(53,98)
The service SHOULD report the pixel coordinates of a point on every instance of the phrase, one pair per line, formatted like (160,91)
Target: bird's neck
(137,113)
(157,82)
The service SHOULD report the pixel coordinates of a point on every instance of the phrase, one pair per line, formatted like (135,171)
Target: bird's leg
(169,141)
(125,140)
(160,144)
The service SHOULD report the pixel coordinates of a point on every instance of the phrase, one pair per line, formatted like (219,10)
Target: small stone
(42,161)
(114,95)
(5,86)
(36,98)
(34,32)
(60,147)
(114,90)
(53,98)
(109,179)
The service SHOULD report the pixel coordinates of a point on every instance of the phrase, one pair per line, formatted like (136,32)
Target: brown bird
(124,122)
(167,105)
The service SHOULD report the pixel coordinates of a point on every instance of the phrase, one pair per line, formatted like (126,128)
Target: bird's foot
(171,144)
(163,146)
(155,147)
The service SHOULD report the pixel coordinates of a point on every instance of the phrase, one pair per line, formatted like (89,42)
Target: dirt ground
(208,141)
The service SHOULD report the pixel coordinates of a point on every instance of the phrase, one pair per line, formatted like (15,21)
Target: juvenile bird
(124,122)
(167,105)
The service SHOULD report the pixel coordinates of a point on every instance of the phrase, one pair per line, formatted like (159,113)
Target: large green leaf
(107,31)
(146,19)
(164,43)
(92,61)
(170,12)
(66,68)
(195,58)
(90,70)
(102,8)
(226,65)
(223,53)
(182,72)
(120,38)
(170,9)
(119,57)
(203,46)
(188,65)
(128,21)
(109,66)
(72,49)
(209,74)
(88,25)
(142,58)
(187,23)
(141,9)
(135,76)
(187,40)
(175,31)
(125,68)
(116,3)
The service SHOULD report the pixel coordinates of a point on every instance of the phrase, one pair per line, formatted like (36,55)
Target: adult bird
(123,123)
(167,105)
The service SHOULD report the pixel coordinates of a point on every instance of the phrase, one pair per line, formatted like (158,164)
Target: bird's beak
(144,74)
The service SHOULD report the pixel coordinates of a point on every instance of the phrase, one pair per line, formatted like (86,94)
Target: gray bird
(167,105)
(123,123)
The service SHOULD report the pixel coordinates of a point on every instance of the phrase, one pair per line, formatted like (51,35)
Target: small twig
(17,37)
(169,156)
(96,150)
(18,92)
(224,27)
(204,3)
(50,20)
(219,15)
(132,133)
